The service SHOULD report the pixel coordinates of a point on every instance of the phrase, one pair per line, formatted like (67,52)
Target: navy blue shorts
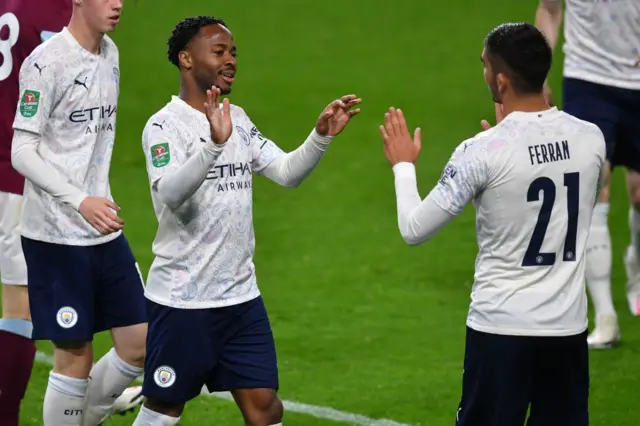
(77,291)
(223,348)
(504,376)
(616,111)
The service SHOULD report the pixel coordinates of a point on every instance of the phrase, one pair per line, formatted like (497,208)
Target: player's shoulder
(478,145)
(45,56)
(581,126)
(110,46)
(589,134)
(237,112)
(166,120)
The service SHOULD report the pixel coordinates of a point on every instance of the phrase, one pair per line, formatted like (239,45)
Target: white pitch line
(316,411)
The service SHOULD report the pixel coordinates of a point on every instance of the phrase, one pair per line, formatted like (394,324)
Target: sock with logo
(110,376)
(147,417)
(63,400)
(598,269)
(16,362)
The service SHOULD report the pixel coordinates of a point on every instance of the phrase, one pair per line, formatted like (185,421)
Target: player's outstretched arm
(174,177)
(420,220)
(292,168)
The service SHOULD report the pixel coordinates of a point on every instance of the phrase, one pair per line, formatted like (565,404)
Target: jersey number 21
(546,187)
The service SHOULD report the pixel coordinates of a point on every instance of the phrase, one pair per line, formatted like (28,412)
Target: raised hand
(100,213)
(337,114)
(219,119)
(399,146)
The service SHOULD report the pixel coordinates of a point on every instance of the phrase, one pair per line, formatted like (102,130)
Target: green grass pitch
(363,323)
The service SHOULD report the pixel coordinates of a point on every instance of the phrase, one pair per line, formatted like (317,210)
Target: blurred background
(364,324)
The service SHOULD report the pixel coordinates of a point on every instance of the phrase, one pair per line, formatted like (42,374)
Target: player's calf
(114,372)
(67,387)
(259,407)
(632,256)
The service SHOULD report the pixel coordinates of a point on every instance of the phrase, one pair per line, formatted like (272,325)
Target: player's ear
(501,82)
(185,60)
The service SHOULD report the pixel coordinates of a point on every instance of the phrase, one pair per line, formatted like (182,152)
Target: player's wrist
(320,139)
(76,200)
(403,167)
(214,148)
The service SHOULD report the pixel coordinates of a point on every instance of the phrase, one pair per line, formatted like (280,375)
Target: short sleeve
(263,150)
(463,178)
(164,150)
(37,82)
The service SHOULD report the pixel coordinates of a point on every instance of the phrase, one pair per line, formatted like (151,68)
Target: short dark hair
(522,52)
(185,31)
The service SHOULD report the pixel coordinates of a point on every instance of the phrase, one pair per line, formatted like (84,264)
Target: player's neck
(193,97)
(85,36)
(533,103)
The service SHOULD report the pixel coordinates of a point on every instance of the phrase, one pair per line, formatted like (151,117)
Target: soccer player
(207,320)
(22,28)
(82,275)
(602,85)
(533,179)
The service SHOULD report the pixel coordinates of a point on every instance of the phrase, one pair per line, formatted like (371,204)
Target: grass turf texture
(362,322)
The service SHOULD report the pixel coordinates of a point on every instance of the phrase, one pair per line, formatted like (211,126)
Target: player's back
(533,220)
(602,42)
(22,28)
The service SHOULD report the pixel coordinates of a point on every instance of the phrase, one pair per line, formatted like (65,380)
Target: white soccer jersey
(602,42)
(204,249)
(533,180)
(69,97)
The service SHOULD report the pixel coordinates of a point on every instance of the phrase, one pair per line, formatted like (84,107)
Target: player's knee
(634,198)
(164,408)
(73,358)
(15,302)
(265,411)
(130,343)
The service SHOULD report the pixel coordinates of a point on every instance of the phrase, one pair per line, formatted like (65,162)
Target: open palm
(219,118)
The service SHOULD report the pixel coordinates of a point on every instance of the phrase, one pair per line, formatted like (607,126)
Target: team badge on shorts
(67,317)
(164,376)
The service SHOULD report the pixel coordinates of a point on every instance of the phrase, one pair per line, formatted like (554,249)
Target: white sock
(110,376)
(279,424)
(634,227)
(147,417)
(64,400)
(599,261)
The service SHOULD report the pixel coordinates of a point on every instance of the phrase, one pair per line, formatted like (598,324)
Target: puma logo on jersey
(81,83)
(158,125)
(39,68)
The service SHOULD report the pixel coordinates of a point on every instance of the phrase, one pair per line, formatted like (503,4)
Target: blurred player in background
(82,275)
(602,85)
(533,179)
(207,321)
(22,28)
